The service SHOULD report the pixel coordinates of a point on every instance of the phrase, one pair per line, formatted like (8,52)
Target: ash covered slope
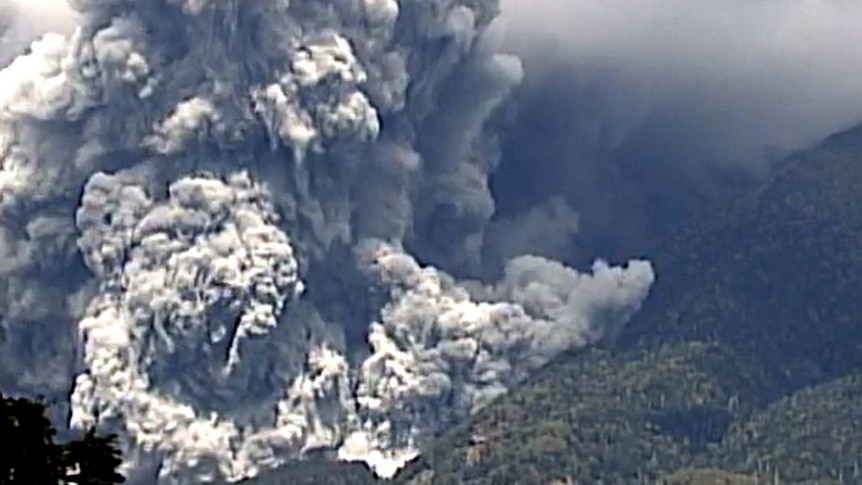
(212,214)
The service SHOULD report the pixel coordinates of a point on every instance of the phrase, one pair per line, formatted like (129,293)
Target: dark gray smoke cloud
(237,231)
(641,111)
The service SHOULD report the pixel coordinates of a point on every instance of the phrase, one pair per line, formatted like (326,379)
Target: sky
(27,19)
(638,111)
(789,64)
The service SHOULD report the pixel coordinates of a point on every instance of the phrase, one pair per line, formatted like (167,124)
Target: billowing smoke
(237,232)
(639,112)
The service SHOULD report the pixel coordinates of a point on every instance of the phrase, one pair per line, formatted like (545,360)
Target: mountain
(812,436)
(774,274)
(743,360)
(614,418)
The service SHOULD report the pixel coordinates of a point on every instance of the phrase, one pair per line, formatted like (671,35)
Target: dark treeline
(31,455)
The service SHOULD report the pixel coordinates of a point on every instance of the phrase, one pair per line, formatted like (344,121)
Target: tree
(35,459)
(30,455)
(94,459)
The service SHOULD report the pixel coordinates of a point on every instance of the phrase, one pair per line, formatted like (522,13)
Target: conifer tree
(30,455)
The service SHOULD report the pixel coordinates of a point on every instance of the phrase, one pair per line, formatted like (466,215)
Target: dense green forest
(316,472)
(641,417)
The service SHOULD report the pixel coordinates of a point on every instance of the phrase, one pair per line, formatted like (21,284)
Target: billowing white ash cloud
(639,111)
(230,231)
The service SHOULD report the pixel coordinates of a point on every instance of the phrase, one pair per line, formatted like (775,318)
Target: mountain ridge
(766,283)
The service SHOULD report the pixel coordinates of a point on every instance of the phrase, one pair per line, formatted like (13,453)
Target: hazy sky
(24,20)
(629,106)
(789,71)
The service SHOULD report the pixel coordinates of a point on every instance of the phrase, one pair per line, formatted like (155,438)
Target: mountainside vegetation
(597,417)
(812,436)
(706,477)
(775,274)
(654,417)
(316,472)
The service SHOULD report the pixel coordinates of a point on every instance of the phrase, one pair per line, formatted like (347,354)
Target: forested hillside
(316,472)
(775,274)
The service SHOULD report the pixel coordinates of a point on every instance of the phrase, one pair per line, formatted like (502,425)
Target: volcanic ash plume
(233,231)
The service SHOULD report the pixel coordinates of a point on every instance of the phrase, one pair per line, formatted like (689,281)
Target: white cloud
(27,20)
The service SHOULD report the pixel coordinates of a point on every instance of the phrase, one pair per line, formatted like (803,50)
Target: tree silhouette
(94,459)
(32,457)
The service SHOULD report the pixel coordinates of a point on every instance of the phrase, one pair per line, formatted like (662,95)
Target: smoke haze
(638,112)
(781,72)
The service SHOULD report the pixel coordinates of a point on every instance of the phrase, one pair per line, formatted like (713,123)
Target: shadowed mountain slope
(743,358)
